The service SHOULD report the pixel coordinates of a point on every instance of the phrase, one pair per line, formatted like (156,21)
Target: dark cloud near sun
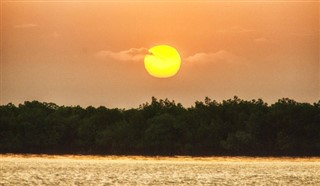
(132,54)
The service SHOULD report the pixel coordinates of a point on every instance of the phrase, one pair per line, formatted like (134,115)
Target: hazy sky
(91,53)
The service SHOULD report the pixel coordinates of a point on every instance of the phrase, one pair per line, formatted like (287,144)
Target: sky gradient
(91,53)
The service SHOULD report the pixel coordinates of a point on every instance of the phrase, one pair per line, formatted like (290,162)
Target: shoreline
(167,158)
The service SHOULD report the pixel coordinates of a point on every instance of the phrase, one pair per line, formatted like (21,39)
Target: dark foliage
(162,127)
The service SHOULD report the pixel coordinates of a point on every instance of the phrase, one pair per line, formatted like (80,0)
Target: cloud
(236,30)
(260,40)
(26,25)
(132,54)
(219,56)
(137,54)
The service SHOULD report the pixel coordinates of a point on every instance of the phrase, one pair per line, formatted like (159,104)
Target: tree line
(163,127)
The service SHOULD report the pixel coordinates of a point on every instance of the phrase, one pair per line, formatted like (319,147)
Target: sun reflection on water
(32,169)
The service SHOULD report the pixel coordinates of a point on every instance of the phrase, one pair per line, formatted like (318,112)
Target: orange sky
(91,53)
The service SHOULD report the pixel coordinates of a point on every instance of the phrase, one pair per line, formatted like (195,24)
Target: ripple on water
(92,170)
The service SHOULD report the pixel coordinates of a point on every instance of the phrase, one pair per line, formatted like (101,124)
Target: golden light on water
(145,170)
(163,61)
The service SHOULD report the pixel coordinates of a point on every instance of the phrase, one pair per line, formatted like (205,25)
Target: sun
(162,61)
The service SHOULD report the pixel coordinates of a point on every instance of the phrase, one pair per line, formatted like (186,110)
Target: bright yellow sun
(163,61)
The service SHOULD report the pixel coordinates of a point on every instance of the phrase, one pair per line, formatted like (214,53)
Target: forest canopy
(163,127)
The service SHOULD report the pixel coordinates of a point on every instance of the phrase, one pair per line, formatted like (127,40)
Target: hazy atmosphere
(90,92)
(91,53)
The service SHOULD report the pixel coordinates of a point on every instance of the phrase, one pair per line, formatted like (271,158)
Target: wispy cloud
(132,54)
(26,25)
(236,30)
(137,54)
(260,40)
(219,56)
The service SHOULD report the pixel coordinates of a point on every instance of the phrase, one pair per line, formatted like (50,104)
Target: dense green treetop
(163,127)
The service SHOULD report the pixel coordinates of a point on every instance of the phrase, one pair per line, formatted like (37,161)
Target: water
(115,170)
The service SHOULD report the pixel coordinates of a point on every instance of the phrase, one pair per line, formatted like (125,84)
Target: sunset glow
(159,92)
(94,53)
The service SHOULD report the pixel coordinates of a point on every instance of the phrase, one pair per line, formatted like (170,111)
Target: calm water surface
(116,170)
